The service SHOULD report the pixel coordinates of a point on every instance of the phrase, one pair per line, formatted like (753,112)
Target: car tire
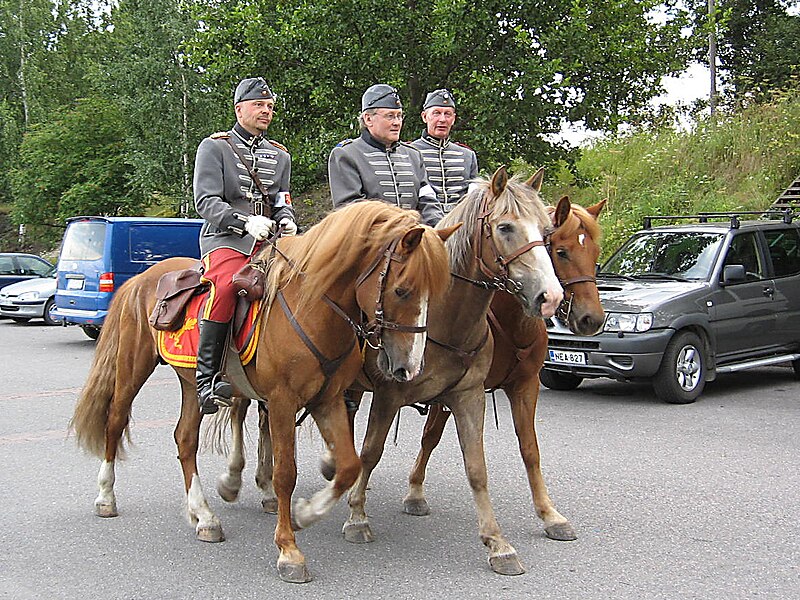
(20,319)
(681,376)
(562,382)
(93,331)
(796,368)
(49,307)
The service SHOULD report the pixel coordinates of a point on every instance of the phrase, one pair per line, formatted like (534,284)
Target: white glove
(259,226)
(289,226)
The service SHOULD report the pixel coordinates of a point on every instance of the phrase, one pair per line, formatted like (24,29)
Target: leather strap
(253,174)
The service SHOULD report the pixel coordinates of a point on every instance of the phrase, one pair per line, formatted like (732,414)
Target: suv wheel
(93,331)
(681,376)
(559,381)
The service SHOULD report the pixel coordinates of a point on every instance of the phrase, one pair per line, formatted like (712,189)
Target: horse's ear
(595,210)
(499,180)
(411,240)
(536,180)
(562,211)
(448,231)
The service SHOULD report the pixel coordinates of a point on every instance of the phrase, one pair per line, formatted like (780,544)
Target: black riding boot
(212,392)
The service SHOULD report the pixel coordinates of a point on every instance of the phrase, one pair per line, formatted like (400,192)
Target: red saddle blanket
(179,348)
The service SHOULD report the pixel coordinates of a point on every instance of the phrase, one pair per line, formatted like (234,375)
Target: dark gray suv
(686,302)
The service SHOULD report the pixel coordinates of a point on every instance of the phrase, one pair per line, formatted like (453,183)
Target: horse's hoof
(269,505)
(327,469)
(227,492)
(210,533)
(106,510)
(562,532)
(506,564)
(358,533)
(294,573)
(417,507)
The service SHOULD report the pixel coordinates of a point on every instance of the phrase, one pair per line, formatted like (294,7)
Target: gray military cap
(253,88)
(380,95)
(440,97)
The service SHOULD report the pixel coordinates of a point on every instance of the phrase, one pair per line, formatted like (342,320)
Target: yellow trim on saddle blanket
(170,344)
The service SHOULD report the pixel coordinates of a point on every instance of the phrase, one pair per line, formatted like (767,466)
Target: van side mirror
(733,274)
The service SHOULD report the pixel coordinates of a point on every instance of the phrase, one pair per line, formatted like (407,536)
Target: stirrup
(221,392)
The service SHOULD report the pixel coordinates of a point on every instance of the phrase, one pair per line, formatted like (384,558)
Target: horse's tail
(91,412)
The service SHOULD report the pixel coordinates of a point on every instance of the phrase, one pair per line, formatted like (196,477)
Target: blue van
(99,254)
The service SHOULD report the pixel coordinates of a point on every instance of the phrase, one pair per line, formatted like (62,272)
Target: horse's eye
(402,293)
(505,228)
(561,253)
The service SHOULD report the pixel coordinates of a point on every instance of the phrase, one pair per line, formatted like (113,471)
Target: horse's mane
(580,217)
(518,199)
(339,243)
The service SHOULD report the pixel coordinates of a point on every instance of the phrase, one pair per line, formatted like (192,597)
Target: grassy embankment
(742,161)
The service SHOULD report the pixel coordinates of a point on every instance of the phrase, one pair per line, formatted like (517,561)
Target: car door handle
(768,291)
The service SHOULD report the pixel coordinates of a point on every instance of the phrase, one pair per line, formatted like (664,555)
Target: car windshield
(686,255)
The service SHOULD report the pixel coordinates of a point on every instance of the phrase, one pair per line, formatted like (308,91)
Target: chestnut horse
(520,347)
(367,260)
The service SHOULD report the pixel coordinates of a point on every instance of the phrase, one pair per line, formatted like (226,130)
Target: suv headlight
(28,296)
(628,321)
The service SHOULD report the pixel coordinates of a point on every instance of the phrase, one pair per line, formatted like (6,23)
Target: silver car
(30,299)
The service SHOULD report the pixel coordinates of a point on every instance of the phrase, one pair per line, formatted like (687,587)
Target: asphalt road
(674,502)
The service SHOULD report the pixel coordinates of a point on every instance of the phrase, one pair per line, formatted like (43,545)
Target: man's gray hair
(361,122)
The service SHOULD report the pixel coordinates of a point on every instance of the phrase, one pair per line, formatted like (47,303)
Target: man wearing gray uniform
(239,212)
(450,165)
(377,165)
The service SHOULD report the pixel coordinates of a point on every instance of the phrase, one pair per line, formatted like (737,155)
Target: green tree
(517,69)
(46,50)
(163,103)
(74,165)
(760,47)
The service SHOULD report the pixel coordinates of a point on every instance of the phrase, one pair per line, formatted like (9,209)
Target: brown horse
(368,259)
(504,248)
(520,346)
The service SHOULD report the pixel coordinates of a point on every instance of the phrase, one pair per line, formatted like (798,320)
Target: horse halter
(371,331)
(565,308)
(503,280)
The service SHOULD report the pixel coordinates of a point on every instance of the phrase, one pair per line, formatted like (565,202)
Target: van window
(84,240)
(152,243)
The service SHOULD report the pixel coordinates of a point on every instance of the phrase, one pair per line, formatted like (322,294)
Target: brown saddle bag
(173,292)
(249,282)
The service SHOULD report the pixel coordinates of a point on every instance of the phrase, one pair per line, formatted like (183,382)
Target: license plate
(567,358)
(74,284)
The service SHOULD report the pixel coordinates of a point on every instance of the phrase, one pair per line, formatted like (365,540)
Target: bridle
(501,281)
(372,330)
(565,308)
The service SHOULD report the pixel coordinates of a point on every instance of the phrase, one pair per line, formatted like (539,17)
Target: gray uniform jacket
(225,194)
(450,167)
(363,168)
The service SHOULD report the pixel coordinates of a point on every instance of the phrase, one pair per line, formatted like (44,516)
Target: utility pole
(712,54)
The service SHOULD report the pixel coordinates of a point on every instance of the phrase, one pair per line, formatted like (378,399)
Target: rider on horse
(241,189)
(450,165)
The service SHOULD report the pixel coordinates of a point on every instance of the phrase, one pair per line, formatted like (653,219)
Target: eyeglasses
(391,117)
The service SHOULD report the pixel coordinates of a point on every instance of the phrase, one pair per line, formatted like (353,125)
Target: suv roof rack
(785,214)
